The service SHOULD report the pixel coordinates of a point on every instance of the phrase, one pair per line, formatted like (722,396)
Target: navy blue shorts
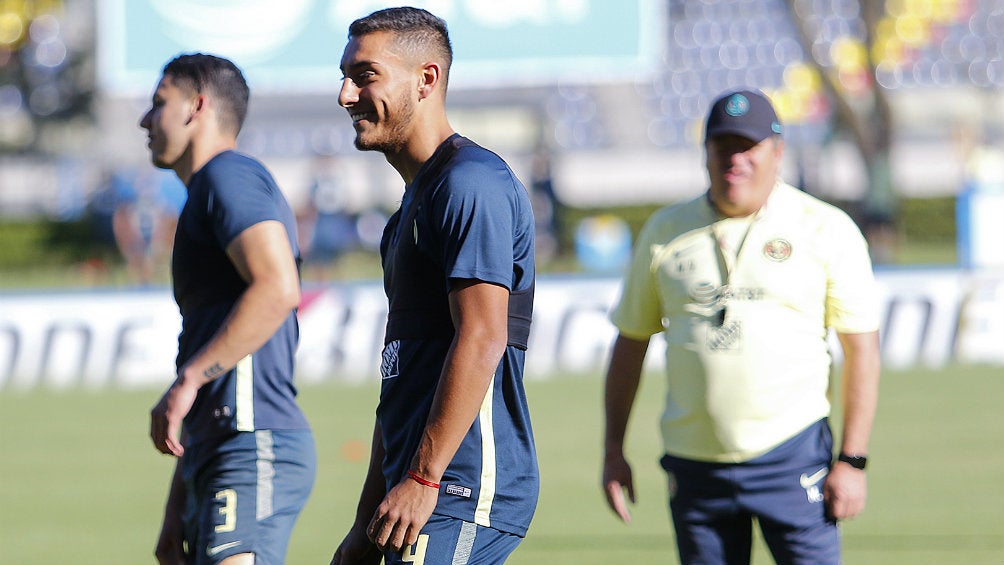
(245,493)
(451,541)
(714,505)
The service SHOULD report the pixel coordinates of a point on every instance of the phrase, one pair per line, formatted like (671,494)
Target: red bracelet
(424,482)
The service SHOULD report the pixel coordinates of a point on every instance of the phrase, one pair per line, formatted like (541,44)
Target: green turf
(79,482)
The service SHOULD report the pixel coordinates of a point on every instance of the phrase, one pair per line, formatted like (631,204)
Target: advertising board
(128,339)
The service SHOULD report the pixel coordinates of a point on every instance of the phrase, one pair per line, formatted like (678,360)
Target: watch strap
(856,461)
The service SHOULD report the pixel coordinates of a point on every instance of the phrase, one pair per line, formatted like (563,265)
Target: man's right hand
(617,479)
(167,415)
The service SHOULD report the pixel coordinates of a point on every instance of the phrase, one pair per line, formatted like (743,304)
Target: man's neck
(200,154)
(423,143)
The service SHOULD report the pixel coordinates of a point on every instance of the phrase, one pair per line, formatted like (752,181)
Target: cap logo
(737,105)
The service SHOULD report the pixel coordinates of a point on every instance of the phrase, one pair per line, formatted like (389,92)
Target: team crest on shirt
(388,360)
(777,249)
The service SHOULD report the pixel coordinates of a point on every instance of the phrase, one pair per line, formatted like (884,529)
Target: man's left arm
(480,316)
(264,258)
(845,490)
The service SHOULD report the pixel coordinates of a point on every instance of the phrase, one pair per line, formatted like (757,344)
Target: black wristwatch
(856,461)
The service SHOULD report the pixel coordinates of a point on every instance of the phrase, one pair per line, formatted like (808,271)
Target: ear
(779,148)
(199,104)
(431,74)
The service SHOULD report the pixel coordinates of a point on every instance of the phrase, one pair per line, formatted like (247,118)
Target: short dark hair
(201,72)
(416,29)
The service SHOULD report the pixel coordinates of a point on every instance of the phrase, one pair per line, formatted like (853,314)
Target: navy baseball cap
(747,113)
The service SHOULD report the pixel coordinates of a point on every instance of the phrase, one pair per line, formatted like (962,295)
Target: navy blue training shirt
(228,195)
(465,216)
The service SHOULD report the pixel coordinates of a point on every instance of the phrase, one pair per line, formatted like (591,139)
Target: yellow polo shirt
(744,305)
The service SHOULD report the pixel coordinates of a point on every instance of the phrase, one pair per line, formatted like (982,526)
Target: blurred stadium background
(894,111)
(893,107)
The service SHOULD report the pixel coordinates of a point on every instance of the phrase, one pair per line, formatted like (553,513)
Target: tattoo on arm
(214,371)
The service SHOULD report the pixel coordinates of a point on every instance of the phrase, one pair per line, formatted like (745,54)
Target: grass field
(79,482)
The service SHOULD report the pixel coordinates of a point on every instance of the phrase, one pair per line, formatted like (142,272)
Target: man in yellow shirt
(744,282)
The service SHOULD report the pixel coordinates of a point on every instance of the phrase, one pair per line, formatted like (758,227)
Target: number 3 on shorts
(228,509)
(416,553)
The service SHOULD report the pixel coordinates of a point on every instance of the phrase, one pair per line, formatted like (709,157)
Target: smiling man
(744,283)
(453,468)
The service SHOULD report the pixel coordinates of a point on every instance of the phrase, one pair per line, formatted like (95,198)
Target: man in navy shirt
(246,455)
(453,470)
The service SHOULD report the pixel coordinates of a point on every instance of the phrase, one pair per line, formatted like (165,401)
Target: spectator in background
(146,213)
(744,282)
(327,224)
(546,206)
